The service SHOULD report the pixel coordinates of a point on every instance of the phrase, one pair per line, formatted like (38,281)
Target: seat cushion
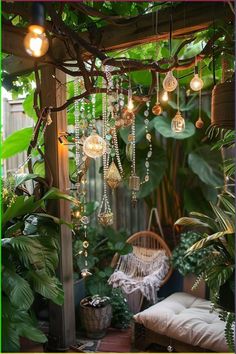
(188,319)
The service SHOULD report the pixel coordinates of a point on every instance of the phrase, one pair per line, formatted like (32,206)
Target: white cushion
(188,319)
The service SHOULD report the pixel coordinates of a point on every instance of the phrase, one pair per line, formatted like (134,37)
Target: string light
(196,84)
(36,42)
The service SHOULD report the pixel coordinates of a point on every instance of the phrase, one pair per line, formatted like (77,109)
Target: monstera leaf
(205,163)
(163,126)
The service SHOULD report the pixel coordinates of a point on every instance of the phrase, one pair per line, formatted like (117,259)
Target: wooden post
(61,318)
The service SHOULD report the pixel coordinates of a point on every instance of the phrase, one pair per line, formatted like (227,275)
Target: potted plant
(190,266)
(96,314)
(121,316)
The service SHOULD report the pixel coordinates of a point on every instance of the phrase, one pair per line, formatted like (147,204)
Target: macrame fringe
(141,270)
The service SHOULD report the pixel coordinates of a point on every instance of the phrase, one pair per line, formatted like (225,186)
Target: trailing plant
(30,254)
(191,263)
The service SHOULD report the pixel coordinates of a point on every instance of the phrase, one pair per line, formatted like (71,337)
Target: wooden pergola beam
(188,18)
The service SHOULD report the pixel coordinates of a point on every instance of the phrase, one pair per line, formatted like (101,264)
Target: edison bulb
(170,83)
(178,123)
(196,83)
(165,96)
(36,42)
(130,105)
(94,146)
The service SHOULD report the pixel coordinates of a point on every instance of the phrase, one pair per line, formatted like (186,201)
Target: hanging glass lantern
(105,218)
(113,177)
(178,123)
(196,83)
(170,83)
(94,146)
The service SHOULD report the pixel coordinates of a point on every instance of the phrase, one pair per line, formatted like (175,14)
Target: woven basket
(96,320)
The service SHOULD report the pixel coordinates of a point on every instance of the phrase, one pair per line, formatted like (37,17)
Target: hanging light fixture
(178,122)
(36,42)
(165,96)
(196,83)
(94,146)
(170,83)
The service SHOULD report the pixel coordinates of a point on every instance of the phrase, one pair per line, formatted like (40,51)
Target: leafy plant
(191,263)
(121,315)
(30,251)
(219,267)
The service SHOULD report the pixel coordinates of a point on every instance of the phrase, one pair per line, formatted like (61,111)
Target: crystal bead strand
(149,153)
(77,125)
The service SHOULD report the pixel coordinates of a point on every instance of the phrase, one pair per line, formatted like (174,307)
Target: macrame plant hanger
(154,212)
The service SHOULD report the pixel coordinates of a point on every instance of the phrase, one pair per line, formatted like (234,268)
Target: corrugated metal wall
(125,216)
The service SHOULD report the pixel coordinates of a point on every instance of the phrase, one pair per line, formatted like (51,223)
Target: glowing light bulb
(178,123)
(130,105)
(196,83)
(36,42)
(170,83)
(94,146)
(165,96)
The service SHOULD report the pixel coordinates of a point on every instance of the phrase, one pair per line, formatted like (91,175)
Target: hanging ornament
(105,215)
(170,83)
(199,123)
(85,271)
(196,83)
(134,180)
(149,153)
(178,122)
(165,96)
(157,109)
(94,146)
(113,177)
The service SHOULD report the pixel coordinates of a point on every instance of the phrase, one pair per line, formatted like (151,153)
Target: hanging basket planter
(222,105)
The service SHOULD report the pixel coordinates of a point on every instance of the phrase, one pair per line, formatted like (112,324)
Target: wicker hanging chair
(146,245)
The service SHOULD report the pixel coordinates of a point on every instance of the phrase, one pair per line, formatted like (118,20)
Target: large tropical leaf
(47,286)
(16,142)
(17,289)
(186,221)
(27,328)
(22,206)
(23,177)
(140,130)
(163,126)
(207,240)
(28,106)
(206,165)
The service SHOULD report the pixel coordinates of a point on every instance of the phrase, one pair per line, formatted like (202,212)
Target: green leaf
(46,285)
(16,142)
(163,126)
(55,194)
(22,206)
(27,328)
(185,221)
(17,289)
(23,177)
(206,165)
(28,106)
(39,168)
